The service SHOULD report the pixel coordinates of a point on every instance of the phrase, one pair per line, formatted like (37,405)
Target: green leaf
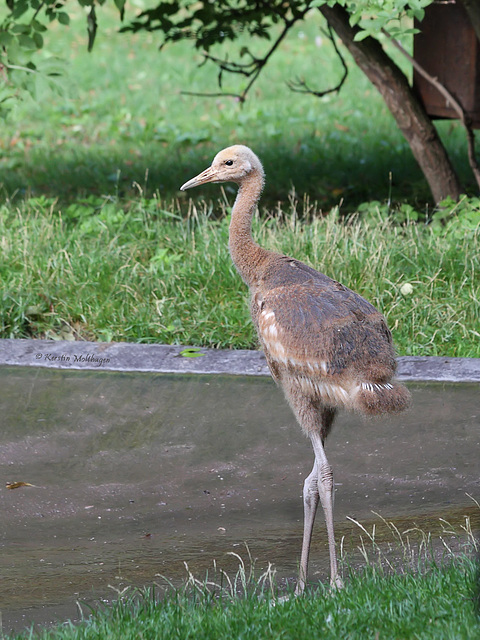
(120,4)
(5,38)
(38,39)
(193,352)
(18,9)
(20,28)
(63,17)
(38,26)
(419,14)
(26,42)
(361,35)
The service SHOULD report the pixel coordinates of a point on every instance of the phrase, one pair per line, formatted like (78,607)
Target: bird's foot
(280,600)
(336,582)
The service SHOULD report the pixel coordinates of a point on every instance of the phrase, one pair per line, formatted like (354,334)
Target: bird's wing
(318,325)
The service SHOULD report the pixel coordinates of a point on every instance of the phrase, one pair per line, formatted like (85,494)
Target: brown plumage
(325,345)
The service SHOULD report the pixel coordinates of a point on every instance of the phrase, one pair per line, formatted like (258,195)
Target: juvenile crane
(325,345)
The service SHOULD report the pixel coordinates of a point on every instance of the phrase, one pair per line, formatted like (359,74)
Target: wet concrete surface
(135,474)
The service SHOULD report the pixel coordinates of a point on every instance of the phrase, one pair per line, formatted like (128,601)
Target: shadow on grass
(329,171)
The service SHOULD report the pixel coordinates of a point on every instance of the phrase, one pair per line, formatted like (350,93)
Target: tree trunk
(408,112)
(472,7)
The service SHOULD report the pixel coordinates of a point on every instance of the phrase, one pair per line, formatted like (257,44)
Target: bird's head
(232,164)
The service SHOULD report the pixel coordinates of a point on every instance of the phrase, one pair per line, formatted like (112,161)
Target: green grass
(440,602)
(143,272)
(122,119)
(99,244)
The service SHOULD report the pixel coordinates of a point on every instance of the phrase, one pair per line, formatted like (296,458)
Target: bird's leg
(316,420)
(325,490)
(310,504)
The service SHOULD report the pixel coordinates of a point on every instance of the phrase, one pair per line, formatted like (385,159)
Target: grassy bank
(95,245)
(439,603)
(145,272)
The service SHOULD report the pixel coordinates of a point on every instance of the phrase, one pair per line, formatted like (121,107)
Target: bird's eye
(229,163)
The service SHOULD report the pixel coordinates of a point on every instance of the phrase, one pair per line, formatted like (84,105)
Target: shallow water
(136,474)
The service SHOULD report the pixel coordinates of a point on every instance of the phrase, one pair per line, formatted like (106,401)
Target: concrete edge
(157,358)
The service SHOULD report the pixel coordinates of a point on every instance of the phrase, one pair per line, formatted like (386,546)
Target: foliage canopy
(24,23)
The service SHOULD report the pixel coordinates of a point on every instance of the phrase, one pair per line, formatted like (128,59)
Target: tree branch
(300,86)
(39,8)
(250,69)
(462,115)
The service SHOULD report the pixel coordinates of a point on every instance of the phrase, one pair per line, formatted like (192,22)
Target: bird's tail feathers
(377,398)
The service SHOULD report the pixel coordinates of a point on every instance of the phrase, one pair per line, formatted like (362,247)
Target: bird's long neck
(247,256)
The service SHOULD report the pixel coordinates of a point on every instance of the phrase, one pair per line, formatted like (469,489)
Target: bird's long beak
(208,175)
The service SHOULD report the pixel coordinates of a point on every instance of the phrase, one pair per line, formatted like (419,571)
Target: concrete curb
(157,358)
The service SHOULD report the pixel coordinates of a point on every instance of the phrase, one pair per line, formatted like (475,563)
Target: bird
(325,345)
